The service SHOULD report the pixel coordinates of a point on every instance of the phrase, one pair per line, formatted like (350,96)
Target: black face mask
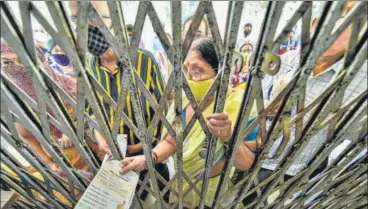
(97,44)
(247,32)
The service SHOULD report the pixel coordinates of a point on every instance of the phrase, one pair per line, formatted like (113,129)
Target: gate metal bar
(176,60)
(221,95)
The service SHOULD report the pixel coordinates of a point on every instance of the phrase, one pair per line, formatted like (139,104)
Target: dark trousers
(162,169)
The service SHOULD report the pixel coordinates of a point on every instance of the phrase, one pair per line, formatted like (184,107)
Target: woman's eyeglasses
(194,74)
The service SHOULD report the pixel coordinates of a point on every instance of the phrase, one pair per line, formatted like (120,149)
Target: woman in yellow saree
(200,70)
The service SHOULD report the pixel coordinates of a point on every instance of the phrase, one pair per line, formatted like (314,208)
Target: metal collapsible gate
(340,184)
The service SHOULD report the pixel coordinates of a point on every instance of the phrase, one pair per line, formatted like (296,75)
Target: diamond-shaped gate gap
(30,104)
(317,84)
(13,6)
(357,85)
(145,41)
(220,8)
(188,10)
(317,10)
(130,9)
(41,6)
(289,9)
(274,161)
(288,51)
(163,9)
(253,13)
(356,119)
(340,112)
(290,59)
(153,42)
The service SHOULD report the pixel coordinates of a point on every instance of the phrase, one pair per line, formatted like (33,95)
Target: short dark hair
(206,49)
(248,24)
(129,27)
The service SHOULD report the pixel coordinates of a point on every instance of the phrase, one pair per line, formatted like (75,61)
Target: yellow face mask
(199,88)
(245,57)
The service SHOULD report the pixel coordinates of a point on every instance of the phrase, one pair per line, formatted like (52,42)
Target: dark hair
(206,48)
(242,46)
(248,24)
(129,27)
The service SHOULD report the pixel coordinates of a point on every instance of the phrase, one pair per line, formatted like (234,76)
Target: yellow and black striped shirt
(150,74)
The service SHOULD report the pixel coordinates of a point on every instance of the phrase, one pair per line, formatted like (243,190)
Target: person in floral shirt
(17,73)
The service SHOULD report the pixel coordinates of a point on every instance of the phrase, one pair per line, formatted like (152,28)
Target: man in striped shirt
(103,64)
(110,75)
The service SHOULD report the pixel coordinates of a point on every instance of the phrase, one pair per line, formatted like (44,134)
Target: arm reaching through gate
(167,147)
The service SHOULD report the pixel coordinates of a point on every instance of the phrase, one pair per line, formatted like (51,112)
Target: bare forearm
(31,140)
(164,150)
(134,148)
(244,158)
(131,148)
(98,136)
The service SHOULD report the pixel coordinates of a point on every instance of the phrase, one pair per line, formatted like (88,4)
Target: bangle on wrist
(154,157)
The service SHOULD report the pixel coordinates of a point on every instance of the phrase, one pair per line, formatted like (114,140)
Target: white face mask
(40,36)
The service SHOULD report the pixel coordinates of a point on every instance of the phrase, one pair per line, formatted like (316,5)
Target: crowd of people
(200,68)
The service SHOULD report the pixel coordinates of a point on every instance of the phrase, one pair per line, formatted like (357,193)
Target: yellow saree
(193,164)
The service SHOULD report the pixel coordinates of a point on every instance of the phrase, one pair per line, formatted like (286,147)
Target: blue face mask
(61,59)
(247,32)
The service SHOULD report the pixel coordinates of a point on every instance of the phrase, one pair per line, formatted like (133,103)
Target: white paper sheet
(122,143)
(109,189)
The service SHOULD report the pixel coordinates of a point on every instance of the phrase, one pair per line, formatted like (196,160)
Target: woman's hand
(65,142)
(220,125)
(102,144)
(137,163)
(104,147)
